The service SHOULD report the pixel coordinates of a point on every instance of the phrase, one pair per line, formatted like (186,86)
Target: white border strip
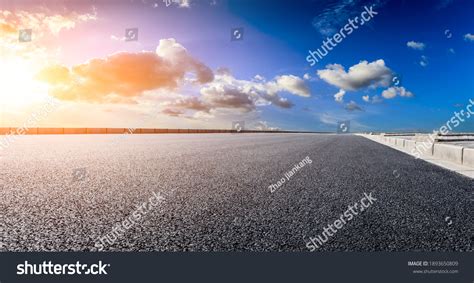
(405,146)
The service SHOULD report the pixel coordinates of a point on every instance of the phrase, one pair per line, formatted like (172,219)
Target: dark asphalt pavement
(60,193)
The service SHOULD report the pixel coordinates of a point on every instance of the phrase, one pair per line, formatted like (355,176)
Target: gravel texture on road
(61,193)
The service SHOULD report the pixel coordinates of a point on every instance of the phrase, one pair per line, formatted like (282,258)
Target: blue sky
(412,62)
(439,88)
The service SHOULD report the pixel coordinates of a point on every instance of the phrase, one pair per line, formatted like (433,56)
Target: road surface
(61,193)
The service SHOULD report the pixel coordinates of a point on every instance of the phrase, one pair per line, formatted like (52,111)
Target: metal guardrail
(455,138)
(436,137)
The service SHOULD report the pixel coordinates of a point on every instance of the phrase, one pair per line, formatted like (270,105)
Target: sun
(18,85)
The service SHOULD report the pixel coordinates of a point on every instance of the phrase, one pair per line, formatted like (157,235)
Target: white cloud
(469,37)
(167,68)
(416,45)
(308,77)
(44,25)
(185,3)
(293,84)
(339,96)
(117,38)
(362,75)
(353,106)
(373,99)
(227,92)
(263,126)
(389,93)
(394,91)
(180,3)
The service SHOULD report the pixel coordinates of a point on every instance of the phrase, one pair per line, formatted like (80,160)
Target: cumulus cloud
(469,37)
(353,106)
(227,92)
(185,102)
(172,112)
(309,77)
(361,75)
(277,100)
(263,126)
(396,91)
(42,23)
(416,45)
(179,58)
(179,3)
(257,78)
(339,96)
(184,3)
(292,84)
(373,99)
(123,76)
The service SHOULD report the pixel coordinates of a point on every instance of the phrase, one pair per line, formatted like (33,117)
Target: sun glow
(18,85)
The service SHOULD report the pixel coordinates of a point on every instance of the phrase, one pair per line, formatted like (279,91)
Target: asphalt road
(61,193)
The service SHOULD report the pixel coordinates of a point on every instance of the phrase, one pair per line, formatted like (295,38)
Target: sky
(384,65)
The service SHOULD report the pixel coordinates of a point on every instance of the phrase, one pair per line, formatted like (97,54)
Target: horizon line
(86,130)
